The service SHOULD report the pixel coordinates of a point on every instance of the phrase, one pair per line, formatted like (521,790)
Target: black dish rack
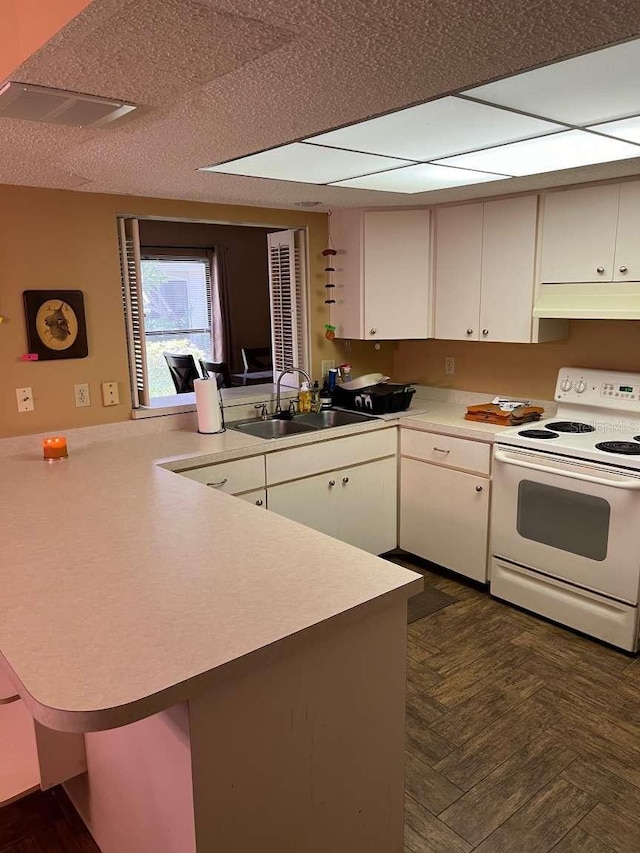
(381,399)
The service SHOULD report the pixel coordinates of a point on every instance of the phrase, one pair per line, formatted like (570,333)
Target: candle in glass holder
(55,448)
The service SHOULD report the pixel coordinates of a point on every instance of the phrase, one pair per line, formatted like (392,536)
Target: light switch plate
(110,395)
(449,365)
(327,365)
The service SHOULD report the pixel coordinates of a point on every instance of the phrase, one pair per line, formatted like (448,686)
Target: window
(176,295)
(181,304)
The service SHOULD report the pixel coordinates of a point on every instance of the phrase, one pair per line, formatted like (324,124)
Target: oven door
(575,521)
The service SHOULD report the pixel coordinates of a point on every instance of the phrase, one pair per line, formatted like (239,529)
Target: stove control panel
(599,388)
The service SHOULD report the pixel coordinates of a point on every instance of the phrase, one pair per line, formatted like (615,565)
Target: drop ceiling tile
(309,164)
(547,154)
(419,178)
(436,129)
(596,87)
(626,128)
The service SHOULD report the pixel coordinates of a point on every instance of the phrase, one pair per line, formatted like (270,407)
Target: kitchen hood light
(419,178)
(627,129)
(57,106)
(595,87)
(436,129)
(309,164)
(565,150)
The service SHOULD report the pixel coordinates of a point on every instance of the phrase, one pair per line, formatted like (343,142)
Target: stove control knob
(581,386)
(566,385)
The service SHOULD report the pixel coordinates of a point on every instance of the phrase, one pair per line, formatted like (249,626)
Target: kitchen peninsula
(238,680)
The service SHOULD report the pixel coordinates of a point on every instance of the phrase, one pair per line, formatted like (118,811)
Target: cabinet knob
(469,331)
(345,480)
(600,270)
(373,331)
(485,332)
(478,488)
(259,502)
(332,483)
(623,269)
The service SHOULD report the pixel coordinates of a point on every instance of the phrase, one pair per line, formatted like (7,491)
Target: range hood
(615,300)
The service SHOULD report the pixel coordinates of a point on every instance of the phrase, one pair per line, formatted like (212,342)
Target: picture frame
(56,324)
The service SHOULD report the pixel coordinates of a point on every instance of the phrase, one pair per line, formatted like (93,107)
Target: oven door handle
(614,484)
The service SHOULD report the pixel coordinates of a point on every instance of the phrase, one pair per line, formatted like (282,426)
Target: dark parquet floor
(522,737)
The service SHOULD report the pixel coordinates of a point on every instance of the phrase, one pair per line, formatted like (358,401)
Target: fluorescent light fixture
(546,154)
(436,129)
(627,128)
(596,87)
(308,164)
(419,178)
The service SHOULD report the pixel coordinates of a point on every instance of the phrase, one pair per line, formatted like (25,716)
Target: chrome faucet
(286,370)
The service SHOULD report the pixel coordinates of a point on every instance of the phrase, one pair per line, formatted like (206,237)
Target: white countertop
(125,586)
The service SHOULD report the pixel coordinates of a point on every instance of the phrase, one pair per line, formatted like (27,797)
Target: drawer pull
(219,484)
(441,450)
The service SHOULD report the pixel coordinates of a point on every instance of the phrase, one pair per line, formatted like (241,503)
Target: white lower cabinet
(357,505)
(257,497)
(444,516)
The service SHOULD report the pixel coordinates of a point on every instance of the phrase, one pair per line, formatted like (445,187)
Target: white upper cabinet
(626,265)
(458,250)
(579,234)
(484,272)
(382,274)
(591,235)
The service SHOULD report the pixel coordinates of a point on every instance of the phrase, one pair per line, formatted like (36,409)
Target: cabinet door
(397,296)
(444,517)
(312,501)
(457,272)
(627,258)
(579,234)
(368,506)
(257,497)
(508,259)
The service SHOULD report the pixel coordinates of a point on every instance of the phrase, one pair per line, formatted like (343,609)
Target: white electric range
(565,516)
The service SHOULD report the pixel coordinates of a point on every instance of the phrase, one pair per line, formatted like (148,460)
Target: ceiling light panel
(627,128)
(547,154)
(436,129)
(309,164)
(419,179)
(593,88)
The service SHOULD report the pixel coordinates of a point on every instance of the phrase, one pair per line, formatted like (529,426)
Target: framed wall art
(56,326)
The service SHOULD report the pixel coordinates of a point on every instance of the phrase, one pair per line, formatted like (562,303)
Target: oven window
(560,518)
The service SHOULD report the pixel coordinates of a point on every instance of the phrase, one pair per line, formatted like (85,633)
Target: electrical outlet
(328,365)
(110,395)
(24,396)
(82,395)
(449,365)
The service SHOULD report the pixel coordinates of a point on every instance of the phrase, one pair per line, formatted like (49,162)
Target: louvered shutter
(289,335)
(133,309)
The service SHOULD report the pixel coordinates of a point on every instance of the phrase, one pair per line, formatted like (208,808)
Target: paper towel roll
(208,405)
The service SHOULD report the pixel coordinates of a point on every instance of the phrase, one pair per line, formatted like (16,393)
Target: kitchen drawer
(241,475)
(460,453)
(329,455)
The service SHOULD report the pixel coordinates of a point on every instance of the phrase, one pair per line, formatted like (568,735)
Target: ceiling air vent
(55,106)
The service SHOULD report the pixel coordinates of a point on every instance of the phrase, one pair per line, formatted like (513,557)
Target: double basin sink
(280,427)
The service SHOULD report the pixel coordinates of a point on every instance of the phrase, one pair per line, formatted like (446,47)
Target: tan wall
(61,239)
(527,370)
(25,25)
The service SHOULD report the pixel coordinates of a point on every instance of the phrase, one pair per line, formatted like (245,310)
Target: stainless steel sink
(273,428)
(282,427)
(326,418)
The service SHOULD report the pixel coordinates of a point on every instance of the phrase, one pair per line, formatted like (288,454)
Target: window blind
(289,335)
(133,309)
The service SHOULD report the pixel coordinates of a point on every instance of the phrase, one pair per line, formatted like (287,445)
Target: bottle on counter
(315,396)
(304,398)
(326,398)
